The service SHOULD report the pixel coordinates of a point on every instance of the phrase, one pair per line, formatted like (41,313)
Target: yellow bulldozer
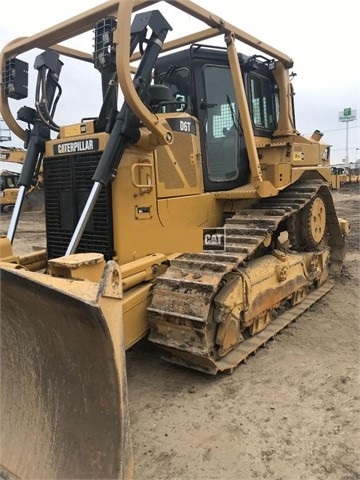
(9,178)
(9,183)
(345,175)
(191,212)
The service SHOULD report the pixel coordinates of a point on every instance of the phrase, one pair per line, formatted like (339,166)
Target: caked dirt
(292,412)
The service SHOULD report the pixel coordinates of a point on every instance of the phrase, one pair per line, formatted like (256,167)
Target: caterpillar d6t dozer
(194,213)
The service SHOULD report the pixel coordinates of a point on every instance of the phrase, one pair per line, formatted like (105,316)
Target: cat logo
(214,239)
(298,156)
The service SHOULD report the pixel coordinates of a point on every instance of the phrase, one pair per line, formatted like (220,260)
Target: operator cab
(8,180)
(201,83)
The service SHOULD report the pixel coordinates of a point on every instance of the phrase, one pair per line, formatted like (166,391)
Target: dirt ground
(292,412)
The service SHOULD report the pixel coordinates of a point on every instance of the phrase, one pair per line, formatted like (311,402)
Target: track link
(182,302)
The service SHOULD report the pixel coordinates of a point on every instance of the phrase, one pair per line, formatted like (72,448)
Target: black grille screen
(67,185)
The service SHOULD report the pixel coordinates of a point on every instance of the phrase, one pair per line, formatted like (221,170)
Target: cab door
(225,160)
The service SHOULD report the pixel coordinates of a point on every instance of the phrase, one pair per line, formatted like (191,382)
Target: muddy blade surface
(61,392)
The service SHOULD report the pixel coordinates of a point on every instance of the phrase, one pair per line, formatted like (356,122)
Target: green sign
(347,115)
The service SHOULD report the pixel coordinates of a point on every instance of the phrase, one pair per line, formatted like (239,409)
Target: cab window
(262,105)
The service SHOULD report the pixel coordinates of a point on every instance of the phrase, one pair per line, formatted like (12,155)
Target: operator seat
(162,99)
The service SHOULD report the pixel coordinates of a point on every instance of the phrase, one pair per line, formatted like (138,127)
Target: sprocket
(307,228)
(314,222)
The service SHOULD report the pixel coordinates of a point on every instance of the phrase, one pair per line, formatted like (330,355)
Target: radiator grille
(67,185)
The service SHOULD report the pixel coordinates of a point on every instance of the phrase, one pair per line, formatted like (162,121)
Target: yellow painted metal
(244,110)
(286,123)
(6,251)
(317,219)
(344,226)
(278,174)
(12,154)
(135,303)
(34,261)
(250,294)
(89,266)
(63,377)
(337,180)
(178,167)
(143,270)
(8,197)
(226,28)
(77,129)
(153,224)
(161,134)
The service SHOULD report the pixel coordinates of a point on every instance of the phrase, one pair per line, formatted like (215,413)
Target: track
(182,305)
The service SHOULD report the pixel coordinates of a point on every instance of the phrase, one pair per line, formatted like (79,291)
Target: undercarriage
(210,311)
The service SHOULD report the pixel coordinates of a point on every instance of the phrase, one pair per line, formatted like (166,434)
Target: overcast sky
(321,37)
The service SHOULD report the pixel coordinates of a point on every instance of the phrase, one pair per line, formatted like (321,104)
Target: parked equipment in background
(9,182)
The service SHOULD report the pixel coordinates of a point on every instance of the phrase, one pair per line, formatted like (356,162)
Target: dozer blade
(63,380)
